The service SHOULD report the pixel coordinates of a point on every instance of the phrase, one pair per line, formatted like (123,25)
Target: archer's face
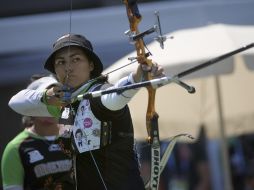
(72,66)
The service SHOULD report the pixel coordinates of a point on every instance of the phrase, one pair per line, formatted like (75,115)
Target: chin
(48,121)
(69,84)
(76,85)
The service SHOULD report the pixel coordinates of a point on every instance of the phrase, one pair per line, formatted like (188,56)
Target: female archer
(104,154)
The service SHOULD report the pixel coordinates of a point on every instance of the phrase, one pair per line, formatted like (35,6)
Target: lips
(70,79)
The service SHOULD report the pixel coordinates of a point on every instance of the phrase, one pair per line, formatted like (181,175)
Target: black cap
(79,41)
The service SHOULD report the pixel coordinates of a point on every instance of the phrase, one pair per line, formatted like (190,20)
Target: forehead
(69,51)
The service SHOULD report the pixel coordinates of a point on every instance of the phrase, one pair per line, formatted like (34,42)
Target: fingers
(63,92)
(55,96)
(57,91)
(159,72)
(155,70)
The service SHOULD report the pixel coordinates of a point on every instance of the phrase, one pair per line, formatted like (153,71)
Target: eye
(59,62)
(75,60)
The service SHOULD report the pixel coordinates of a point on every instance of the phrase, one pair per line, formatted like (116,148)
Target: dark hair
(27,121)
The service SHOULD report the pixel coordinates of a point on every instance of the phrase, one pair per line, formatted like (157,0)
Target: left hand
(156,71)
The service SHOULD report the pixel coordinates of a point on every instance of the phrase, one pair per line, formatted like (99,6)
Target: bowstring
(68,67)
(67,70)
(121,67)
(133,60)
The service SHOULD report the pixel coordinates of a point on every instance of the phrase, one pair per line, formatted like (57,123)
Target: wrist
(44,98)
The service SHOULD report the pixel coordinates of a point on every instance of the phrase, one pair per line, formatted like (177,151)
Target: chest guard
(89,133)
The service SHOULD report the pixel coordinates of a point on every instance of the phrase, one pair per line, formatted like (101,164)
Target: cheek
(84,68)
(60,75)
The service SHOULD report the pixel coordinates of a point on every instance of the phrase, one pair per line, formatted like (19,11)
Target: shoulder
(100,86)
(11,152)
(16,141)
(12,148)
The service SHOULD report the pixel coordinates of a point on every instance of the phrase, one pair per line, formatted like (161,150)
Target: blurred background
(223,148)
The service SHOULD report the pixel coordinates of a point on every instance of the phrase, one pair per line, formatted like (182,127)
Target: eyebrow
(71,55)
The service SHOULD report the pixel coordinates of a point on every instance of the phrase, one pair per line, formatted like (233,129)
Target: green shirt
(33,162)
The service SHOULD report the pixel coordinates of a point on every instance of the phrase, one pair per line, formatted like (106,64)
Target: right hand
(55,96)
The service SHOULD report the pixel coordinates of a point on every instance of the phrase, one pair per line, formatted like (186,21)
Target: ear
(91,66)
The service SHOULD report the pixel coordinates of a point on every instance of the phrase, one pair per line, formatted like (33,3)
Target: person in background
(249,178)
(33,160)
(106,157)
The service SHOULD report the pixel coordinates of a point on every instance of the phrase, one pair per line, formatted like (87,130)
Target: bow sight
(155,28)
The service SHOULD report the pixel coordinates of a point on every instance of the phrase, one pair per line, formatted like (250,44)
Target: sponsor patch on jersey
(35,156)
(52,167)
(66,113)
(54,147)
(96,133)
(88,122)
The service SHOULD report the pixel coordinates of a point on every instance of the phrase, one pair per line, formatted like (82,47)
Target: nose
(68,71)
(68,67)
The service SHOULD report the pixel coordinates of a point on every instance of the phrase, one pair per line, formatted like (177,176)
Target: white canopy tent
(182,112)
(223,101)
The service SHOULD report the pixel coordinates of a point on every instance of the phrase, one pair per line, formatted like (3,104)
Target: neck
(82,88)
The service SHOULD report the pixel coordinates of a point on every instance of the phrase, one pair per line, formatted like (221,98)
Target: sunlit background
(28,29)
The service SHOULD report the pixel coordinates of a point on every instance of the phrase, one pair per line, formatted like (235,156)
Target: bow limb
(165,158)
(172,141)
(151,115)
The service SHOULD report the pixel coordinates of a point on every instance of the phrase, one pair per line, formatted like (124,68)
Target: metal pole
(224,148)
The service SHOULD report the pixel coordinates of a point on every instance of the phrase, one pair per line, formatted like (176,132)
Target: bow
(157,164)
(134,18)
(156,83)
